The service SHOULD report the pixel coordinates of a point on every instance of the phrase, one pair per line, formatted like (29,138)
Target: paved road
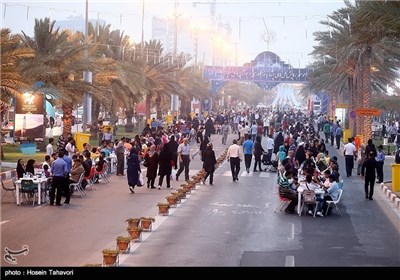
(228,224)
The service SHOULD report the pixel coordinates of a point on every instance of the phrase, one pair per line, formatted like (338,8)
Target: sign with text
(256,74)
(29,116)
(371,112)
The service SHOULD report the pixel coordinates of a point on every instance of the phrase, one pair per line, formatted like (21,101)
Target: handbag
(308,196)
(140,181)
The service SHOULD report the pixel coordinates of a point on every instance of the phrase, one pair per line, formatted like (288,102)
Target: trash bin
(396,177)
(81,138)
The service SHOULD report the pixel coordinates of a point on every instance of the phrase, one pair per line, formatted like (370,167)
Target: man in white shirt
(349,152)
(49,147)
(234,156)
(184,159)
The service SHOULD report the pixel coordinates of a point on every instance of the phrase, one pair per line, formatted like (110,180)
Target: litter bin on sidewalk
(80,139)
(396,177)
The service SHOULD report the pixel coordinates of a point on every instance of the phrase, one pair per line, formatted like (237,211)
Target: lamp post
(175,98)
(87,77)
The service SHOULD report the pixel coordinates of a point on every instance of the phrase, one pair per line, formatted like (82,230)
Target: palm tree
(12,82)
(345,56)
(58,63)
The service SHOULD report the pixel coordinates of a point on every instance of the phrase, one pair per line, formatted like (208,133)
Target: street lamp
(87,77)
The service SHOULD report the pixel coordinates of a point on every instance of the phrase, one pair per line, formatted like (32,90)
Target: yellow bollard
(396,177)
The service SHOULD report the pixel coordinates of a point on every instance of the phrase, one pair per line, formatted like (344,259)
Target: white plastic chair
(335,203)
(78,185)
(9,189)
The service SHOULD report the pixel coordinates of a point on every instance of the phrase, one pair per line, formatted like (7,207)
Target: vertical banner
(29,116)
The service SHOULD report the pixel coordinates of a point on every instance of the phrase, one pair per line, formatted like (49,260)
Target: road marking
(221,204)
(245,174)
(264,175)
(3,222)
(291,236)
(289,261)
(227,173)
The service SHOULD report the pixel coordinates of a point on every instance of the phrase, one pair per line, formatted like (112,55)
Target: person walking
(209,162)
(165,162)
(380,158)
(184,159)
(368,168)
(248,152)
(361,158)
(258,151)
(151,160)
(349,152)
(234,156)
(133,169)
(120,150)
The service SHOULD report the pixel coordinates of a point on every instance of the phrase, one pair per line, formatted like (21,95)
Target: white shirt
(270,143)
(234,150)
(349,149)
(49,149)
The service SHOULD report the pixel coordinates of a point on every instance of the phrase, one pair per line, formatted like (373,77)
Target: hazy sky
(292,23)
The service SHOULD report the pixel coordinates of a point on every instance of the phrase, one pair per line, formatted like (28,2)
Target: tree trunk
(95,110)
(129,115)
(148,106)
(366,91)
(159,108)
(67,117)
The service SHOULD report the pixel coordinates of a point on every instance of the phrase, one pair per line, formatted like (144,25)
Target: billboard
(29,116)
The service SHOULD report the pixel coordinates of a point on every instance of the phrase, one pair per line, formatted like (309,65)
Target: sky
(291,23)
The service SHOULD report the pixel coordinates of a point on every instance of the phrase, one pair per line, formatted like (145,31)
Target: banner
(256,74)
(29,116)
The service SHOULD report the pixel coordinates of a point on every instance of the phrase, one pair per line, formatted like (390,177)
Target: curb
(391,196)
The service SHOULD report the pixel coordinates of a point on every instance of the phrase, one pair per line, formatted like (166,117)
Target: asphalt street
(228,224)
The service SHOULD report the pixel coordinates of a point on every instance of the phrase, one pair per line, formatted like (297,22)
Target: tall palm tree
(348,51)
(13,52)
(59,64)
(12,81)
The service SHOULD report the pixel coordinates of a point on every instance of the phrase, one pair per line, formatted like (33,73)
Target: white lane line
(291,236)
(264,175)
(3,222)
(289,261)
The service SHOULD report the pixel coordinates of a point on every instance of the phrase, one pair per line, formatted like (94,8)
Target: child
(47,173)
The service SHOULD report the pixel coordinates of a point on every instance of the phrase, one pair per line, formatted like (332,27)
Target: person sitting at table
(21,169)
(76,172)
(286,190)
(30,169)
(99,166)
(331,193)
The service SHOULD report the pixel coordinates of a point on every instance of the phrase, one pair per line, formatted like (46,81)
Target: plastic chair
(283,201)
(78,185)
(28,187)
(335,203)
(102,173)
(8,189)
(89,178)
(313,202)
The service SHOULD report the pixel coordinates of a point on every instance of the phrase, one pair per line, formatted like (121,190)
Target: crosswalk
(250,174)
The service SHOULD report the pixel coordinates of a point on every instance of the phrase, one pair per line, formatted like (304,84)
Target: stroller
(272,165)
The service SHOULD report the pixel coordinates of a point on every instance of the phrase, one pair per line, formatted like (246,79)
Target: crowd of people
(288,140)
